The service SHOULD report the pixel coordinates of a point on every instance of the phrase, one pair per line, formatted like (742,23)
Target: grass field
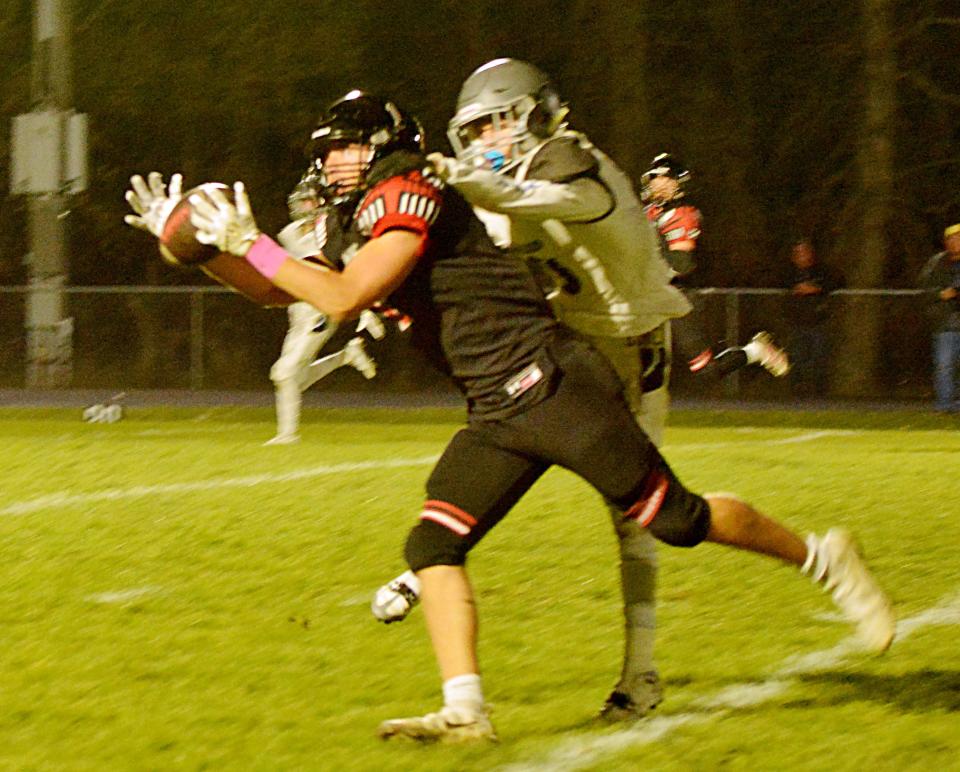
(175,596)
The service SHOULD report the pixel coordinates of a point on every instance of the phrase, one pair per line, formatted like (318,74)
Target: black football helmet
(665,165)
(364,119)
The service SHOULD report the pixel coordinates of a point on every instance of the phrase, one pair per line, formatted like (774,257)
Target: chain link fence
(873,344)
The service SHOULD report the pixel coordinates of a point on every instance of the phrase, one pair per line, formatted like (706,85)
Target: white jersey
(568,202)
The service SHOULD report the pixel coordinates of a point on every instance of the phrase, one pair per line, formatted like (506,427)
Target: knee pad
(672,514)
(431,544)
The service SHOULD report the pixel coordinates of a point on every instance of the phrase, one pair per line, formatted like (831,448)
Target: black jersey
(477,312)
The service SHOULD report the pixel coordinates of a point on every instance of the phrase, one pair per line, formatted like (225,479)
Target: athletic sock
(464,692)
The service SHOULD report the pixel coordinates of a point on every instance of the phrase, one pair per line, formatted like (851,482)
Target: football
(178,243)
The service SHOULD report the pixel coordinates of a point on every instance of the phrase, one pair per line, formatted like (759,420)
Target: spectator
(809,311)
(941,277)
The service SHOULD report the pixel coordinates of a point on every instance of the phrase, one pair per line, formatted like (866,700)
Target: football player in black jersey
(536,394)
(545,191)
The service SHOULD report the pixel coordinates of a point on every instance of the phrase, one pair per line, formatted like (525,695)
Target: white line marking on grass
(122,596)
(142,491)
(811,436)
(797,438)
(581,752)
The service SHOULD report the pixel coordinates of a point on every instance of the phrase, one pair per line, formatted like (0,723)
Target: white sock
(463,691)
(815,566)
(754,351)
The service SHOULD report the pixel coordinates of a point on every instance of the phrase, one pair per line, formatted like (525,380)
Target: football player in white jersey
(297,367)
(546,192)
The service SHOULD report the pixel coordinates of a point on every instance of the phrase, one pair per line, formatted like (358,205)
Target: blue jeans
(946,353)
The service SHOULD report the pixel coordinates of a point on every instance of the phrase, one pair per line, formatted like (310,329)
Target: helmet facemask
(495,139)
(505,109)
(672,175)
(342,166)
(353,134)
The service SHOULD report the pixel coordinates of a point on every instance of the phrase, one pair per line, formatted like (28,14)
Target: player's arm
(561,184)
(377,268)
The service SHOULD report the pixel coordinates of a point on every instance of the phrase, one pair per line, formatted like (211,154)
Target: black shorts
(585,426)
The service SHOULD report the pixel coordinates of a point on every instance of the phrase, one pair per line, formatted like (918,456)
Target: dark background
(838,121)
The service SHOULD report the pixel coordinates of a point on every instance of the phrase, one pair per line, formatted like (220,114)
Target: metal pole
(48,329)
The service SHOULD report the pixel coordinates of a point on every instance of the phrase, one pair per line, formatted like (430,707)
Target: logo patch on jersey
(526,379)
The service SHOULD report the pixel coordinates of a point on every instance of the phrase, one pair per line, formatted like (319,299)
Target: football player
(536,394)
(308,331)
(548,193)
(678,221)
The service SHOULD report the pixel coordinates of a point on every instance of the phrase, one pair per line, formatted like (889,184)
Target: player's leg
(641,483)
(761,350)
(353,354)
(643,367)
(308,330)
(472,487)
(833,560)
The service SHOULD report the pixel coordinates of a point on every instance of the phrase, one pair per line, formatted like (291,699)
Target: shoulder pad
(561,159)
(395,164)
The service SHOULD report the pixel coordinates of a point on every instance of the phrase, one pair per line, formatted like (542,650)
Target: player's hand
(370,322)
(948,293)
(152,201)
(227,226)
(443,166)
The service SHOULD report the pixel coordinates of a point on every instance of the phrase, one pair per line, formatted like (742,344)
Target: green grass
(188,599)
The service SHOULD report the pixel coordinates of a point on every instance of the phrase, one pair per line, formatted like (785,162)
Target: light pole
(49,163)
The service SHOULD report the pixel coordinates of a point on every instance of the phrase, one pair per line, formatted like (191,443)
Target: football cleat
(356,356)
(772,358)
(394,601)
(633,701)
(283,439)
(834,559)
(448,725)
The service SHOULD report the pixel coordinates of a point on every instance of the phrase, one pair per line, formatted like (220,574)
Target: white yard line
(64,499)
(122,596)
(797,438)
(581,752)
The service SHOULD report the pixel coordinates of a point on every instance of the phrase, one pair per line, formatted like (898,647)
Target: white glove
(370,322)
(229,227)
(394,601)
(444,166)
(152,202)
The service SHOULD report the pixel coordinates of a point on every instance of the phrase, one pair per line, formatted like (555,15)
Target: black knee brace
(431,544)
(672,514)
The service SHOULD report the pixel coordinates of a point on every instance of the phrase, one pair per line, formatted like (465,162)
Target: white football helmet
(505,109)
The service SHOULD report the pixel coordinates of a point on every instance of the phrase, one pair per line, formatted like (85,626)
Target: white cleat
(357,357)
(772,358)
(283,439)
(394,601)
(448,725)
(835,560)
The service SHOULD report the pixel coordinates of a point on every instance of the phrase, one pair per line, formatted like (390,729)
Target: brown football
(178,242)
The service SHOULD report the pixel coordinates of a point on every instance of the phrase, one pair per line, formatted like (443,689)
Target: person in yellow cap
(941,278)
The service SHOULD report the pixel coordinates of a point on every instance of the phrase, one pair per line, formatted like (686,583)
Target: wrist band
(266,256)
